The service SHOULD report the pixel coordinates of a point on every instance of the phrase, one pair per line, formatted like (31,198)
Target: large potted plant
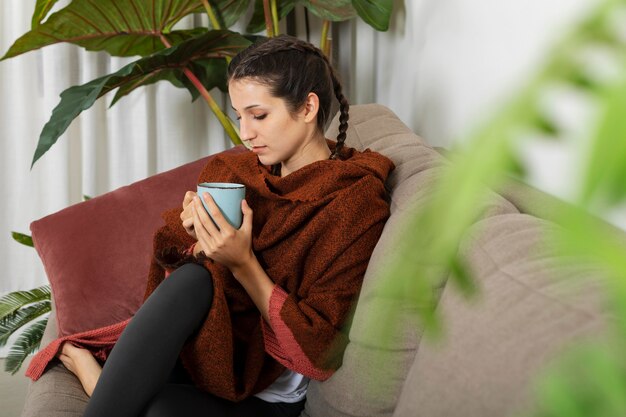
(195,59)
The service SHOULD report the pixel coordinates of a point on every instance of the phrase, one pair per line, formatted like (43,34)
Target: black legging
(140,377)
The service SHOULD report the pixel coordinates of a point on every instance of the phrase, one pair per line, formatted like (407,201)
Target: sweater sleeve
(172,246)
(281,343)
(308,333)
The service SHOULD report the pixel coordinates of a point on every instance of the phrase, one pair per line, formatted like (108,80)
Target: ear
(311,107)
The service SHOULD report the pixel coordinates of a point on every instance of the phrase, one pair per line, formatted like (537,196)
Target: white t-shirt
(290,387)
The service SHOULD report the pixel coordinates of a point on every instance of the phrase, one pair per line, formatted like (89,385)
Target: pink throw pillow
(97,253)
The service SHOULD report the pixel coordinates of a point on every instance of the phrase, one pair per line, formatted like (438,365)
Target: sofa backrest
(375,366)
(532,306)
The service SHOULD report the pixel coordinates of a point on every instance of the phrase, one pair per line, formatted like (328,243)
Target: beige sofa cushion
(57,393)
(374,368)
(527,312)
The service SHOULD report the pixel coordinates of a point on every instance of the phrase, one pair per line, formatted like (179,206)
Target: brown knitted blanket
(313,232)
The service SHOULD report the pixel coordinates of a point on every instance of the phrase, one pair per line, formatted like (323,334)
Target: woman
(236,321)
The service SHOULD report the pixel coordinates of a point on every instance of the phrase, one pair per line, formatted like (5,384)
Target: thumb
(247,215)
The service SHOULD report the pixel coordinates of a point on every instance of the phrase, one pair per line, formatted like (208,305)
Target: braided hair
(293,68)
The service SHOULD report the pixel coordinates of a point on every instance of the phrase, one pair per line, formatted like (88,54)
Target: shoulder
(376,164)
(366,163)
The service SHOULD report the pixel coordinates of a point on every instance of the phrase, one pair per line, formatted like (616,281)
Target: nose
(245,130)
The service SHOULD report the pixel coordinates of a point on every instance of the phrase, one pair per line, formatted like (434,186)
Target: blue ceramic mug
(227,196)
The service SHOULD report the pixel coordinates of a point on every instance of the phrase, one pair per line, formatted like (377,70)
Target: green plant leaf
(211,72)
(174,77)
(120,27)
(375,13)
(605,182)
(257,22)
(23,239)
(11,324)
(42,8)
(212,45)
(463,277)
(585,381)
(28,342)
(229,11)
(86,198)
(336,11)
(13,301)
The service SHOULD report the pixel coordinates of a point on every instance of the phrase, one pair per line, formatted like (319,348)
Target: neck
(315,149)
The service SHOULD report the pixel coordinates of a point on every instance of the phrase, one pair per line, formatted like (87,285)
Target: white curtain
(152,130)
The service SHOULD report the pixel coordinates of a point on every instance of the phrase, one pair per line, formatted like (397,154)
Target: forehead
(244,90)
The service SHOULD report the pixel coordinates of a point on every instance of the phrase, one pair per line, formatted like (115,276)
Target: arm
(308,332)
(232,248)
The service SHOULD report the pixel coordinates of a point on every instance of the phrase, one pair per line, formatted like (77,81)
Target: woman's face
(273,133)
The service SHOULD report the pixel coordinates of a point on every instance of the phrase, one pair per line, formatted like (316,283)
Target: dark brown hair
(292,68)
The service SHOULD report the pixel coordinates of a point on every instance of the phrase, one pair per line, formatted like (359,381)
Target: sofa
(491,348)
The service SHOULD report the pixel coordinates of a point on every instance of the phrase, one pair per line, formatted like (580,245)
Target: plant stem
(269,27)
(324,44)
(227,124)
(274,8)
(214,21)
(212,17)
(224,120)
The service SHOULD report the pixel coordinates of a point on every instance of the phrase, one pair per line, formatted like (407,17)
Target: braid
(344,107)
(292,79)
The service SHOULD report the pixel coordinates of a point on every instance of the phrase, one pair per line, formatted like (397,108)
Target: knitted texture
(98,341)
(282,344)
(313,233)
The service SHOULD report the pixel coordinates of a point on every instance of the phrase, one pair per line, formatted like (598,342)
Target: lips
(257,149)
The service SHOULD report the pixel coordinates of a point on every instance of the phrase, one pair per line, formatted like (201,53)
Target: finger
(247,215)
(202,234)
(204,218)
(67,348)
(188,223)
(185,214)
(189,195)
(216,214)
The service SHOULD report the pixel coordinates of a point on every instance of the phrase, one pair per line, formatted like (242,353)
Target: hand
(187,216)
(220,241)
(81,363)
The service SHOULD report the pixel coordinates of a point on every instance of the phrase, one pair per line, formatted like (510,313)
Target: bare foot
(82,364)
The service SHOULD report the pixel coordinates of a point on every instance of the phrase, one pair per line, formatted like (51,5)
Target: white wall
(444,66)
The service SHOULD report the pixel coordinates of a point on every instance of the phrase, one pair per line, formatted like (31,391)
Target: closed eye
(260,117)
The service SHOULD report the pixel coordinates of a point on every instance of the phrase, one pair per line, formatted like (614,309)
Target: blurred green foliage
(589,381)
